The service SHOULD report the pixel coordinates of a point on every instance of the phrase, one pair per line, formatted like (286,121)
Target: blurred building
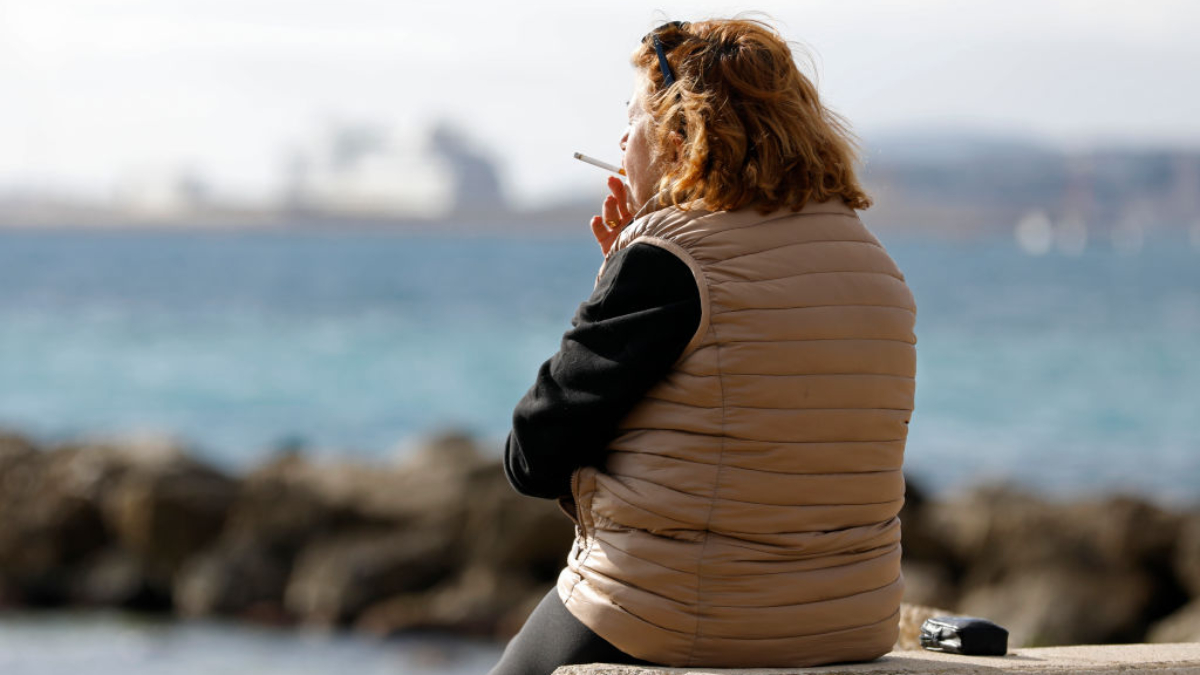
(371,170)
(160,193)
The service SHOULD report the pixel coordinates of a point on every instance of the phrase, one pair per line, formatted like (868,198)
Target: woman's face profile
(637,148)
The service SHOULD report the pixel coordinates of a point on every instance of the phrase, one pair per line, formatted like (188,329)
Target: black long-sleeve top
(624,339)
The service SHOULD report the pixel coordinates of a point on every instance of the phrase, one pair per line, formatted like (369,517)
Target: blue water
(109,643)
(1068,374)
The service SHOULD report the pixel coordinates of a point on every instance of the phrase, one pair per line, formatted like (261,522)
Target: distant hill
(966,183)
(943,182)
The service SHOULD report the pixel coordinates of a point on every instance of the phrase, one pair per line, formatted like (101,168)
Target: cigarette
(603,165)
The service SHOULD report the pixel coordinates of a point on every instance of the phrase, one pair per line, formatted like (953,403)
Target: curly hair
(754,131)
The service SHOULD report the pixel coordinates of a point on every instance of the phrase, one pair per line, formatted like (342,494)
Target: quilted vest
(746,513)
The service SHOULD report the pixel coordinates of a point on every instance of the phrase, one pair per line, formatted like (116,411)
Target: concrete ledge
(1175,659)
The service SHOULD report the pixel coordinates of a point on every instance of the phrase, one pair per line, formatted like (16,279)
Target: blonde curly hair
(745,126)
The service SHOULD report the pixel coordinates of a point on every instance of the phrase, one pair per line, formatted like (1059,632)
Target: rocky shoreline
(440,542)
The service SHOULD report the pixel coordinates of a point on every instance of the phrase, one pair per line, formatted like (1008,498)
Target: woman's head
(738,126)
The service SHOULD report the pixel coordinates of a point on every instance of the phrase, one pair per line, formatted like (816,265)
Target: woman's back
(746,515)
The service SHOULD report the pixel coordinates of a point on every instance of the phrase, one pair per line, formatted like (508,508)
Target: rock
(994,532)
(513,547)
(1182,626)
(275,515)
(235,578)
(278,508)
(167,512)
(1087,572)
(514,533)
(441,542)
(50,522)
(478,602)
(1064,605)
(115,577)
(928,584)
(244,572)
(1186,562)
(14,448)
(922,540)
(430,489)
(516,616)
(337,577)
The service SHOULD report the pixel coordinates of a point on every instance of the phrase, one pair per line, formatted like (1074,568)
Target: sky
(93,91)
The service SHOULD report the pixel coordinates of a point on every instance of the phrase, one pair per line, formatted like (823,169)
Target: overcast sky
(92,90)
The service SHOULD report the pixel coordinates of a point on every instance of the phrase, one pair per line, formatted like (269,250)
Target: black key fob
(964,635)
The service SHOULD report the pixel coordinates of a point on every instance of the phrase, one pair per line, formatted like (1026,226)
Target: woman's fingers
(621,194)
(604,235)
(599,230)
(611,212)
(614,215)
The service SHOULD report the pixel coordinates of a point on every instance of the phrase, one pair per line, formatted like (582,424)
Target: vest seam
(789,214)
(888,375)
(653,513)
(796,409)
(578,580)
(869,242)
(792,474)
(805,274)
(809,602)
(656,564)
(761,440)
(712,503)
(746,468)
(785,309)
(733,543)
(589,540)
(742,501)
(891,617)
(836,339)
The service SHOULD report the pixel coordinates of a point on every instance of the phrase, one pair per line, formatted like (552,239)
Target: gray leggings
(552,637)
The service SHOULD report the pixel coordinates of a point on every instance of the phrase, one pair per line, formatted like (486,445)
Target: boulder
(1062,605)
(928,584)
(336,577)
(166,512)
(480,602)
(511,533)
(278,508)
(994,532)
(518,613)
(1186,562)
(921,538)
(14,448)
(51,522)
(1182,626)
(114,577)
(234,578)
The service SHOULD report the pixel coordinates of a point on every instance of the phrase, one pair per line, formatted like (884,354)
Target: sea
(1066,373)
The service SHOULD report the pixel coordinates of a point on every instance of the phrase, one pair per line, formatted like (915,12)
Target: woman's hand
(616,215)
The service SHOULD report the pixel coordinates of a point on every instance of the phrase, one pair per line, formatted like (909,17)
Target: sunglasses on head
(663,65)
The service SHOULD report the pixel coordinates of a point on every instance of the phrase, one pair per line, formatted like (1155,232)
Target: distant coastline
(951,186)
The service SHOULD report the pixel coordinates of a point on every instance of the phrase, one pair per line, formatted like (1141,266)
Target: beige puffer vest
(746,516)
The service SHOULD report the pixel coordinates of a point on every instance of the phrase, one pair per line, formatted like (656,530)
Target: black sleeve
(624,339)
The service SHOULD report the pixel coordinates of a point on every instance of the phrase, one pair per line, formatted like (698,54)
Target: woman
(726,419)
